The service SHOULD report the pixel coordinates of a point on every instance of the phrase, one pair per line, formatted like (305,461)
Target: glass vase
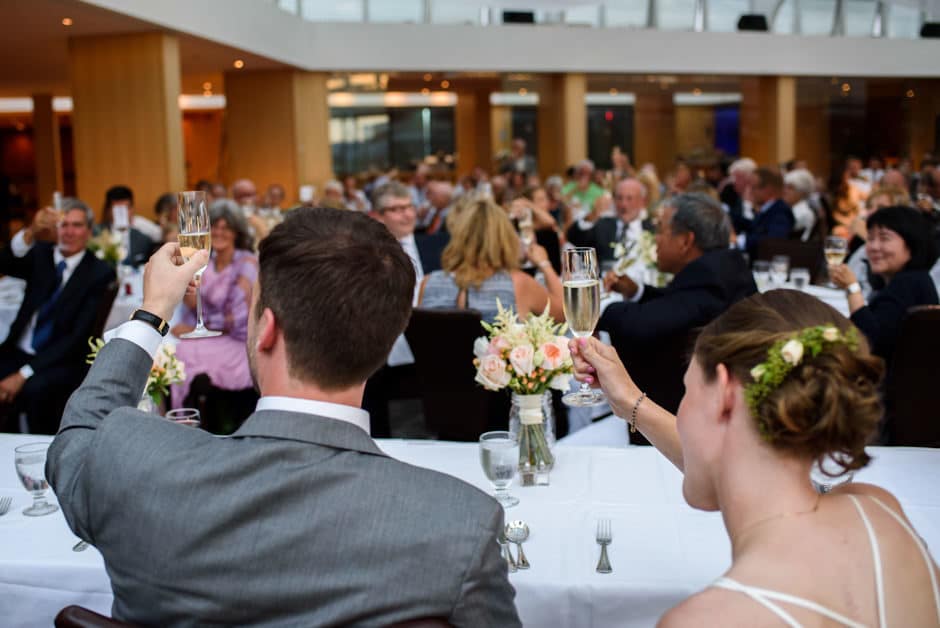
(147,404)
(532,421)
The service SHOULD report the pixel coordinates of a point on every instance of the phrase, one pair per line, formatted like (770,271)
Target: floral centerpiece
(109,247)
(166,370)
(529,359)
(639,253)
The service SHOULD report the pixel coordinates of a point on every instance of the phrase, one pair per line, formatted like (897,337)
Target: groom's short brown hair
(340,287)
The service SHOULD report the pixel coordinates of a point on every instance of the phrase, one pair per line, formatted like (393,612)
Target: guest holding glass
(226,292)
(481,265)
(901,251)
(776,384)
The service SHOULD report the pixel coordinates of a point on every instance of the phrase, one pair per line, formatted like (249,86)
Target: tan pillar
(654,124)
(48,152)
(812,132)
(126,121)
(277,129)
(768,119)
(473,124)
(562,121)
(924,114)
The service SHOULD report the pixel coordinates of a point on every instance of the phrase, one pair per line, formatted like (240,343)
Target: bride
(777,382)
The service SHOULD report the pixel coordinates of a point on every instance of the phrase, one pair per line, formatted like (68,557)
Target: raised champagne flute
(193,236)
(582,291)
(835,249)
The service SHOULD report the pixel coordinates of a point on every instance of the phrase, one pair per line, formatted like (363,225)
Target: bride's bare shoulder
(715,607)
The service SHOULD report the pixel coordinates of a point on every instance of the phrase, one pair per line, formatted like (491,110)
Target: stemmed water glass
(582,301)
(195,227)
(184,416)
(499,457)
(779,269)
(30,460)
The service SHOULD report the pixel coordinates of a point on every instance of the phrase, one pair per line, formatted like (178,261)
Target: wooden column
(473,124)
(924,113)
(812,131)
(768,119)
(277,129)
(562,117)
(48,152)
(126,121)
(654,124)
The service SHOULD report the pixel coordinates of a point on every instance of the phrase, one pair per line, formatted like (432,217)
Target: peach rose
(492,373)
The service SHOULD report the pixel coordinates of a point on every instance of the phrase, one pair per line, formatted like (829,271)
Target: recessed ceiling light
(208,92)
(239,64)
(66,21)
(697,91)
(427,78)
(207,85)
(523,91)
(612,91)
(445,84)
(425,91)
(910,93)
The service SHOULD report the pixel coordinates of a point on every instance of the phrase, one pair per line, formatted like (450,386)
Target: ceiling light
(239,64)
(612,91)
(207,86)
(523,91)
(910,93)
(66,21)
(425,91)
(846,87)
(427,78)
(208,92)
(697,91)
(445,84)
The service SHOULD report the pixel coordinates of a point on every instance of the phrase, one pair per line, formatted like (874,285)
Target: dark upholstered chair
(455,406)
(911,397)
(802,254)
(80,617)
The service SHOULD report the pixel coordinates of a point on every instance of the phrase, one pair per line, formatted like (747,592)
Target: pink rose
(492,373)
(554,355)
(522,360)
(500,344)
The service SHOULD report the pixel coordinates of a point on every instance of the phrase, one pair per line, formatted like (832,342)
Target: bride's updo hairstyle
(803,404)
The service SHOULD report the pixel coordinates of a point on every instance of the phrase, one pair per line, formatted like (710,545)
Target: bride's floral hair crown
(784,356)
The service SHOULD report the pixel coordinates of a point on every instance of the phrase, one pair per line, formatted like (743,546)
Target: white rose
(552,356)
(561,382)
(481,346)
(492,373)
(757,371)
(792,352)
(830,334)
(522,359)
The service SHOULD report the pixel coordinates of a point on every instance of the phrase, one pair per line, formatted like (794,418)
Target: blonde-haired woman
(481,265)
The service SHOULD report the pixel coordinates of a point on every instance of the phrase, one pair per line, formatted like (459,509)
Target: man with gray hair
(734,192)
(43,358)
(692,243)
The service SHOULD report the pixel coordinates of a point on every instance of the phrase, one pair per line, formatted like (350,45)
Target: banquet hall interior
(558,173)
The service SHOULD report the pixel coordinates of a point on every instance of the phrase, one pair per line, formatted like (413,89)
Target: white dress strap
(764,597)
(920,546)
(876,559)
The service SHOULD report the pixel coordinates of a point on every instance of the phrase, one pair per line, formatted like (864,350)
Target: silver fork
(5,503)
(604,538)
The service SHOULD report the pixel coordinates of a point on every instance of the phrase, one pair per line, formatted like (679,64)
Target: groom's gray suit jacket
(295,520)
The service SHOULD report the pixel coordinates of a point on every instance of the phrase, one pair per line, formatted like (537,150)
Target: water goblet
(30,460)
(762,275)
(779,269)
(499,457)
(184,416)
(800,277)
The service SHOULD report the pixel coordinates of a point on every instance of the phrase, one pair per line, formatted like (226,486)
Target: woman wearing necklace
(776,383)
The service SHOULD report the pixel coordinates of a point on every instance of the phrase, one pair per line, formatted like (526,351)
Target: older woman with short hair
(798,187)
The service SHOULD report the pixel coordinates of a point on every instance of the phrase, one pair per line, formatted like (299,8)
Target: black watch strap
(153,320)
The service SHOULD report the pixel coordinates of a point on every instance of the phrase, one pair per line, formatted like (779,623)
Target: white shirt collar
(767,205)
(70,262)
(349,414)
(409,241)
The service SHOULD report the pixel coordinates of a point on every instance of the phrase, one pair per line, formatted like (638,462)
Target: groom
(298,518)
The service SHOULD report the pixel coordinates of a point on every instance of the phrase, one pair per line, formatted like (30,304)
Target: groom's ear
(267,330)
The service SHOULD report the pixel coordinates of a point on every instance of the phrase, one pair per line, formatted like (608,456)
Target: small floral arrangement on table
(529,359)
(166,370)
(109,247)
(784,356)
(642,252)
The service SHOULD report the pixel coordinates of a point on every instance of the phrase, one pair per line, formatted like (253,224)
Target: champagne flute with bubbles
(835,249)
(194,235)
(582,300)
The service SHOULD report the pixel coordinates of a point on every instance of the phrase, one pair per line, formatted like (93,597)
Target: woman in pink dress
(226,295)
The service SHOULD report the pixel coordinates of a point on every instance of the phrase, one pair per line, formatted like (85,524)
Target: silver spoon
(81,546)
(517,532)
(507,553)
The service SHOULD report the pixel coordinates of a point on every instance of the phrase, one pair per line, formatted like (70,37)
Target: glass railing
(858,18)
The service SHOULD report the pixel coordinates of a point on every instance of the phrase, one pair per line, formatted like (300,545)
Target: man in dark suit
(120,198)
(602,233)
(692,243)
(298,518)
(42,359)
(774,218)
(518,160)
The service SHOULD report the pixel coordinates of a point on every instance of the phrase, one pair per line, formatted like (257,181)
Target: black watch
(153,320)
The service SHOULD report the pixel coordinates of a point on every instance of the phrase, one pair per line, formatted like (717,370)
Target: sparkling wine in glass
(499,457)
(30,462)
(835,249)
(582,300)
(195,227)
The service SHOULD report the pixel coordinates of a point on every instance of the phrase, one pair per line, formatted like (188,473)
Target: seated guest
(885,195)
(735,192)
(42,359)
(776,383)
(354,197)
(143,233)
(481,265)
(298,519)
(901,251)
(798,187)
(226,292)
(393,207)
(547,233)
(692,243)
(244,193)
(275,196)
(582,191)
(603,232)
(166,209)
(440,195)
(773,217)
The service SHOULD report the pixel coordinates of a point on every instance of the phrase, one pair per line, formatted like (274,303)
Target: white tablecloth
(662,551)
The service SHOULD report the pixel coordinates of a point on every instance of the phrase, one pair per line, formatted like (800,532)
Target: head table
(662,550)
